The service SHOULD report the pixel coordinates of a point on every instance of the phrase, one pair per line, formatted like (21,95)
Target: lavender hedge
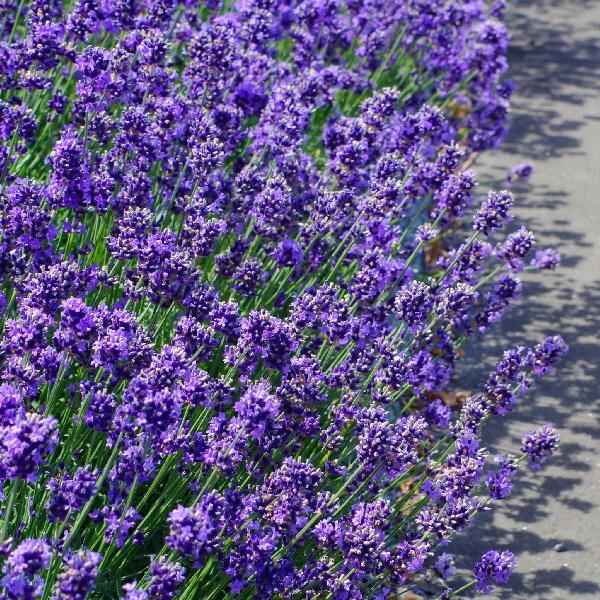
(242,250)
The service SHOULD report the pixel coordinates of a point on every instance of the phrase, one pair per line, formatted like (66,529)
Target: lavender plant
(242,251)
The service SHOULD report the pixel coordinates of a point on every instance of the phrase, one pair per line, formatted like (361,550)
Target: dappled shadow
(557,65)
(569,401)
(552,519)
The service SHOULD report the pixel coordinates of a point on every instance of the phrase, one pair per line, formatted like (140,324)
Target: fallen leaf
(433,252)
(454,399)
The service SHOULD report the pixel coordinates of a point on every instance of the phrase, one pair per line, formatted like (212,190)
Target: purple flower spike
(425,233)
(539,446)
(547,354)
(29,557)
(71,493)
(516,247)
(494,212)
(288,254)
(25,445)
(22,569)
(79,578)
(11,404)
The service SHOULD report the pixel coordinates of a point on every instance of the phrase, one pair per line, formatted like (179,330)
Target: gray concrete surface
(555,58)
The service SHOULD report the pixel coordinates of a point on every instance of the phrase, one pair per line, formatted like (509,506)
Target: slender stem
(88,506)
(16,23)
(464,588)
(14,488)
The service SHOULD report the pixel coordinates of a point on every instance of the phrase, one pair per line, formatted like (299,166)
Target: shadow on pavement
(555,62)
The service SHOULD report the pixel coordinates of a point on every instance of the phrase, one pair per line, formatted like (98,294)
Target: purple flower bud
(77,327)
(262,337)
(259,408)
(499,483)
(413,303)
(453,303)
(498,8)
(11,404)
(288,497)
(323,310)
(133,592)
(119,524)
(455,195)
(426,233)
(248,277)
(272,207)
(444,566)
(194,532)
(505,291)
(71,493)
(196,339)
(493,567)
(546,259)
(438,414)
(520,171)
(29,557)
(101,406)
(166,577)
(288,254)
(58,103)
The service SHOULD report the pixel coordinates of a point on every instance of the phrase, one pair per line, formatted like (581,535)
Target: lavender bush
(242,251)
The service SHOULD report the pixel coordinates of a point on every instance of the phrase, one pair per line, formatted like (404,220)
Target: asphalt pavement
(552,520)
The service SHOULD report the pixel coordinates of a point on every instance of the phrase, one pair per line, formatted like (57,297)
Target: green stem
(464,588)
(16,484)
(88,506)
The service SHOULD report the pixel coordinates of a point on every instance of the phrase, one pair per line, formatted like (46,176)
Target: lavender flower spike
(539,445)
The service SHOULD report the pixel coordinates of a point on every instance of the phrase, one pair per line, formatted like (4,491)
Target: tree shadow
(569,401)
(555,61)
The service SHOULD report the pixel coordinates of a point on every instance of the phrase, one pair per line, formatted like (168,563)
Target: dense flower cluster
(241,252)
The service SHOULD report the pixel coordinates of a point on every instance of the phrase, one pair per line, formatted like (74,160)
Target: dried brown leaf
(455,398)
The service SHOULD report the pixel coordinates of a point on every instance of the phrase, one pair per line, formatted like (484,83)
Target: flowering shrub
(242,249)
